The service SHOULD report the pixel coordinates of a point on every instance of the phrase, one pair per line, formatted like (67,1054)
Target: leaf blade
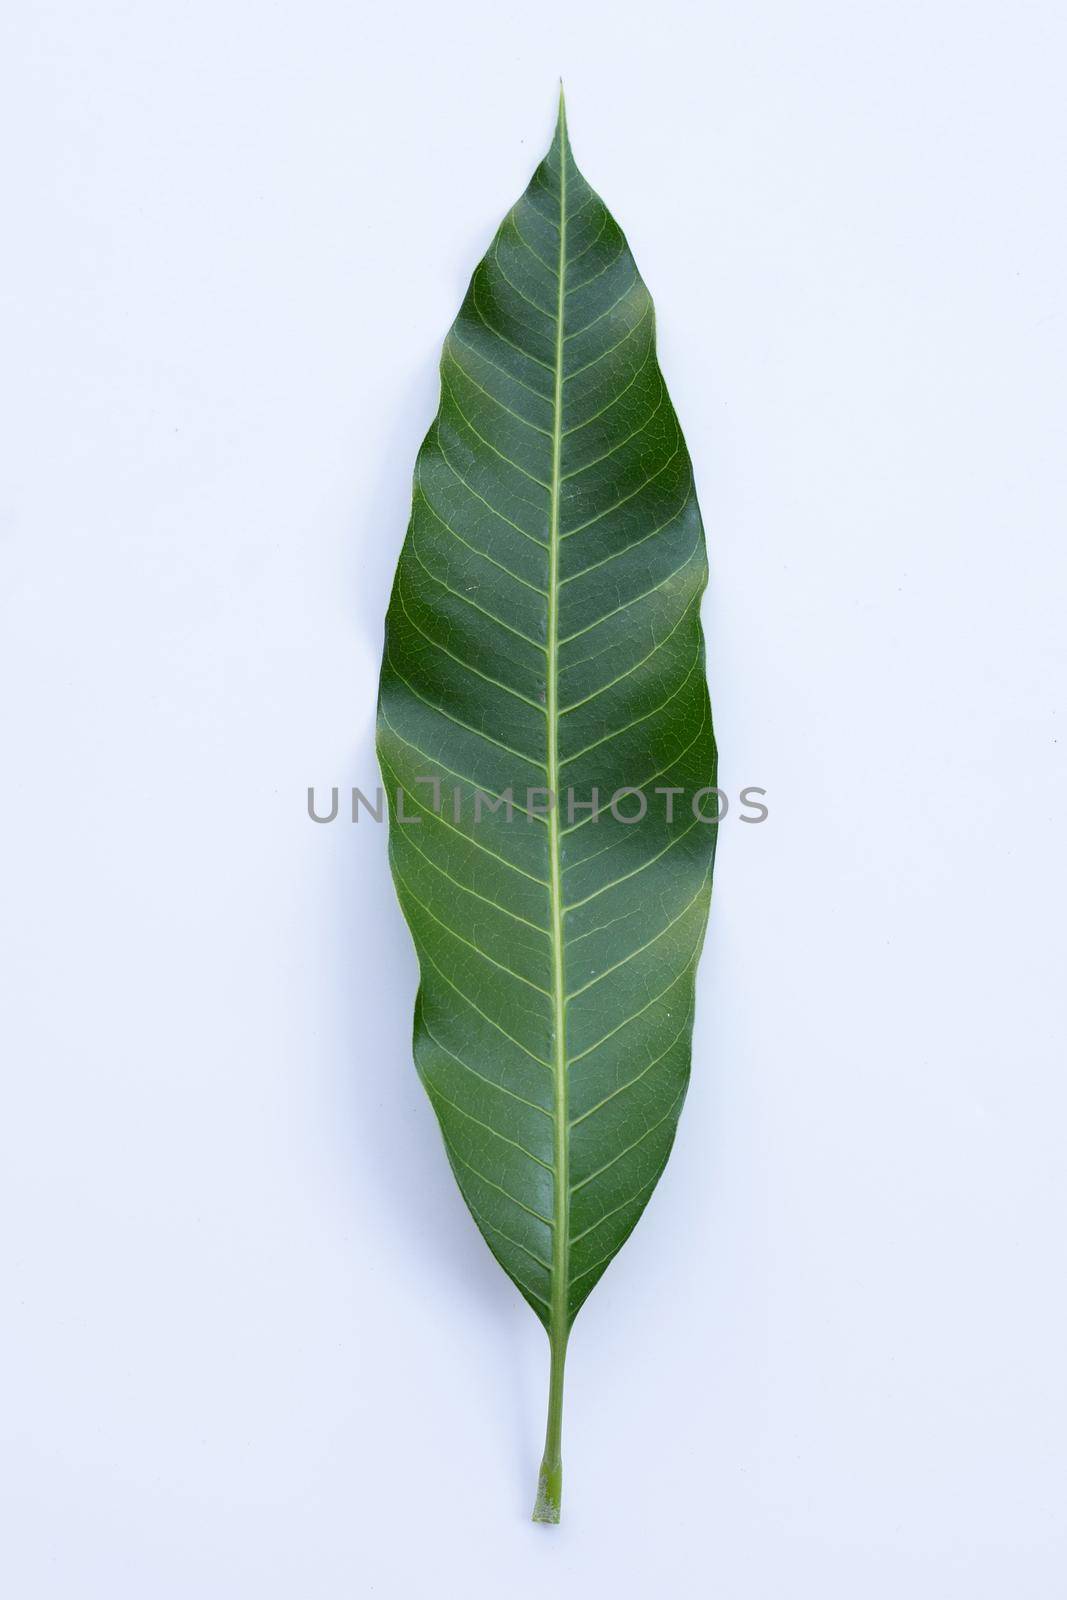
(544,634)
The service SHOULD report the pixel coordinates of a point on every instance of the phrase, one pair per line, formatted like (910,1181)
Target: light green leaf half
(544,634)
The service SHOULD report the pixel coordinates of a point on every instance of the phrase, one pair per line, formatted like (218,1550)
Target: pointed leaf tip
(561,117)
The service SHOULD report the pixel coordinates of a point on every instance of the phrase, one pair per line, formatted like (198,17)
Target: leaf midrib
(561,1192)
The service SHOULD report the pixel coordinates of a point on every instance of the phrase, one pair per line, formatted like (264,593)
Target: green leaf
(544,635)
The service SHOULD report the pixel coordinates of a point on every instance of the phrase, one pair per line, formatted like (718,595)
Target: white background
(252,1343)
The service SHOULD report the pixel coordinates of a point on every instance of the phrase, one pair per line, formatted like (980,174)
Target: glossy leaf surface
(544,635)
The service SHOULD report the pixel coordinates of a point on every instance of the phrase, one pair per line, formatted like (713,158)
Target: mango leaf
(544,652)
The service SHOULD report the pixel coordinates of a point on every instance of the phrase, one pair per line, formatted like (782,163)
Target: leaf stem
(550,1479)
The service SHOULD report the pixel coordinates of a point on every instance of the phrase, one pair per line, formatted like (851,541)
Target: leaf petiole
(550,1479)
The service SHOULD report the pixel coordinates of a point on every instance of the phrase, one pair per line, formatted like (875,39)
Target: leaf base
(549,1492)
